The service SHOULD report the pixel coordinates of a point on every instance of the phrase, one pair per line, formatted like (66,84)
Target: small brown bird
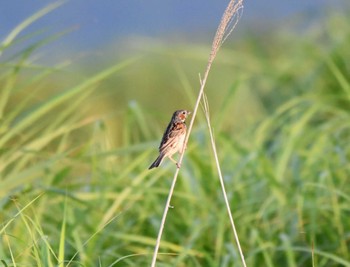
(173,138)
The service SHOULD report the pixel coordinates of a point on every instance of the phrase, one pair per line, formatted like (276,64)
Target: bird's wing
(170,137)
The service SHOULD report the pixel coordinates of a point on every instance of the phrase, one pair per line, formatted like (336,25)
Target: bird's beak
(189,112)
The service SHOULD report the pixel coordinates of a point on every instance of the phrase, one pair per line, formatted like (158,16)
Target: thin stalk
(227,203)
(227,24)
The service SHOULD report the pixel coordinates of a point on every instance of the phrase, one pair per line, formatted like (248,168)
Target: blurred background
(96,35)
(97,25)
(87,89)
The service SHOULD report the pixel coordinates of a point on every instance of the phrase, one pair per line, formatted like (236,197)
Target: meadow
(76,141)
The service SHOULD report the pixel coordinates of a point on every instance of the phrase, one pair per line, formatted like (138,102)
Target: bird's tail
(157,162)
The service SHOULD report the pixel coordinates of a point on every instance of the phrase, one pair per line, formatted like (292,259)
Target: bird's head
(181,115)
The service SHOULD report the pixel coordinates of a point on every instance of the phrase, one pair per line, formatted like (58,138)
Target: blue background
(97,23)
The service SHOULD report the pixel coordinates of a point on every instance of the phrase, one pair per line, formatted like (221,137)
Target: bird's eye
(184,112)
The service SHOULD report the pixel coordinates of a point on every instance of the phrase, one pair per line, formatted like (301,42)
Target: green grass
(74,184)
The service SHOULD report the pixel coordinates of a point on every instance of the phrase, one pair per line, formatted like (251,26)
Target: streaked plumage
(173,137)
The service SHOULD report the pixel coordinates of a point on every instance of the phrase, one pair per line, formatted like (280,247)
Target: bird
(173,138)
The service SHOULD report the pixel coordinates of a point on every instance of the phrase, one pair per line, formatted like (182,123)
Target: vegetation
(74,151)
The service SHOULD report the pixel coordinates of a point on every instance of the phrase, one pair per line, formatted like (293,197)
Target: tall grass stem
(228,22)
(227,203)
